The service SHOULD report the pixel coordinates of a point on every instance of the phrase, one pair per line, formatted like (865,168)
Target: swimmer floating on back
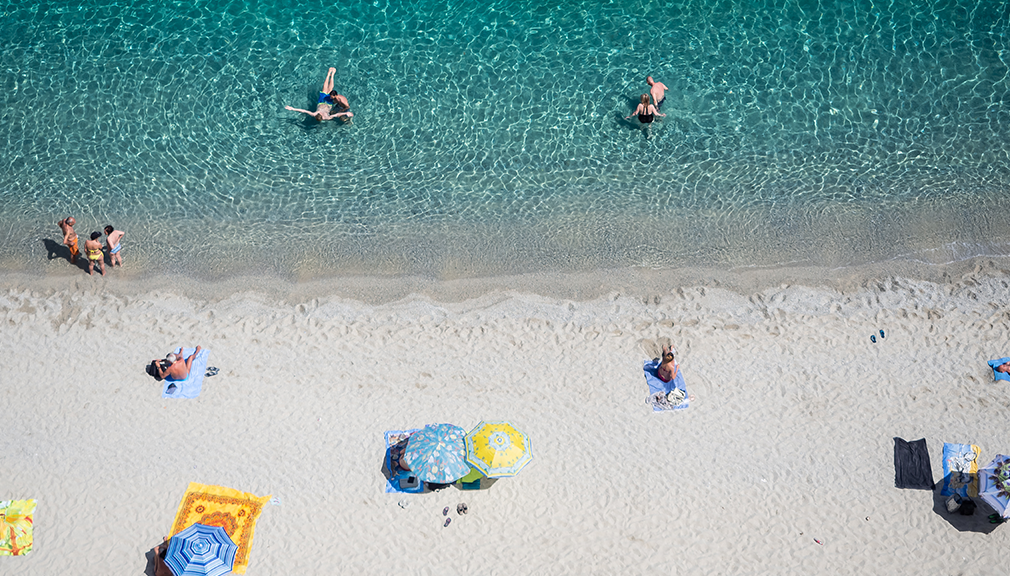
(328,98)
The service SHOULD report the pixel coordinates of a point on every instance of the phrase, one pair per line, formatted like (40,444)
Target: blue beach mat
(397,439)
(191,386)
(999,375)
(658,389)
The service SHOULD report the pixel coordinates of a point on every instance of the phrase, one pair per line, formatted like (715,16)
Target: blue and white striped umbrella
(436,453)
(201,550)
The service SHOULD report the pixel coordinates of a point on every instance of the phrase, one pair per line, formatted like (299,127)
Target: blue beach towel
(658,389)
(190,387)
(394,438)
(960,470)
(999,375)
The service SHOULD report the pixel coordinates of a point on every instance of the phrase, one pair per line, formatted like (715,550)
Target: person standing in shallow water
(646,111)
(113,238)
(328,98)
(93,250)
(70,237)
(657,90)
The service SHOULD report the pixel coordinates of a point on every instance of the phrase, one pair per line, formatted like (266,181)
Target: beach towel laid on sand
(911,465)
(999,375)
(396,442)
(659,391)
(960,470)
(232,510)
(191,386)
(16,524)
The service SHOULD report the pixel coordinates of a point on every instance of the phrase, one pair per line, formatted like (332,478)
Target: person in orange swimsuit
(70,237)
(667,370)
(93,250)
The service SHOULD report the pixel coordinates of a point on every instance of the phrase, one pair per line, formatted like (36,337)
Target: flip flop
(881,334)
(873,338)
(447,520)
(445,511)
(211,371)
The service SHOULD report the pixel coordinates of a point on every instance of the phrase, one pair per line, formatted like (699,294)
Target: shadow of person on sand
(55,250)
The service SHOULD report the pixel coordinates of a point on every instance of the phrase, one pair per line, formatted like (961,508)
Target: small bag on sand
(954,503)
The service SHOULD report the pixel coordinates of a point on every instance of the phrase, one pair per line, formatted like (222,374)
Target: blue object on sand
(656,385)
(999,375)
(191,386)
(394,437)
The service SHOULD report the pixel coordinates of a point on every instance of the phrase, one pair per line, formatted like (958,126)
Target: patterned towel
(16,527)
(232,510)
(960,470)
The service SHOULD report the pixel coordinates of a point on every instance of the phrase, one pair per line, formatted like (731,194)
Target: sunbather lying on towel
(1004,368)
(173,367)
(667,368)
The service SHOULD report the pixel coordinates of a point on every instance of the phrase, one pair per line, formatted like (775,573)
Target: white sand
(789,438)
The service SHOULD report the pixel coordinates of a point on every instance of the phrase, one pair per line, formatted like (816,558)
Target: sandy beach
(788,439)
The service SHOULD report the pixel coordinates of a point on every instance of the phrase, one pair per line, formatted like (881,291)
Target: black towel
(911,465)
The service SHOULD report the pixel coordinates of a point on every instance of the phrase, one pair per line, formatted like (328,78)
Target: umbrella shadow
(977,522)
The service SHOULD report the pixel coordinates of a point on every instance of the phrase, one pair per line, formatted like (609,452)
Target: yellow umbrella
(497,449)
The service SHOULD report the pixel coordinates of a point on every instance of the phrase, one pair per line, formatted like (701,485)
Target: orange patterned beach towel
(16,527)
(232,510)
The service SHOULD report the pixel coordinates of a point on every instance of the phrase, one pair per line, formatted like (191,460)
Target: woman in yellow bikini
(93,250)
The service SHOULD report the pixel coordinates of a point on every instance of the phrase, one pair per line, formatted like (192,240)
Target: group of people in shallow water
(648,105)
(92,247)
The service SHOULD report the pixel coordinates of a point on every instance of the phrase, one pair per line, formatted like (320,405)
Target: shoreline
(576,286)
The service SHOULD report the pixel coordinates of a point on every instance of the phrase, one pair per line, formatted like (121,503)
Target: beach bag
(953,503)
(967,507)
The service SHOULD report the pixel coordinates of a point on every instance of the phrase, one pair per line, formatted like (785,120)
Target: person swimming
(328,98)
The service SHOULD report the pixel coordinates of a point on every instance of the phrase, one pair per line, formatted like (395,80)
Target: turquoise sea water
(491,139)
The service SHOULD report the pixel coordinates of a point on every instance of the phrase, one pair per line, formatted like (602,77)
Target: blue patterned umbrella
(201,550)
(994,484)
(436,454)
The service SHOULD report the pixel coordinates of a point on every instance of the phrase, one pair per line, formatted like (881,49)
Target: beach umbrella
(994,484)
(497,449)
(201,550)
(435,454)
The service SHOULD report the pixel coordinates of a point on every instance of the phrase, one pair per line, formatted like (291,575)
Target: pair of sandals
(211,371)
(996,519)
(460,509)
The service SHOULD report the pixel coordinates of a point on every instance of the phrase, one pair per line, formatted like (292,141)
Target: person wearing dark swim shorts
(328,98)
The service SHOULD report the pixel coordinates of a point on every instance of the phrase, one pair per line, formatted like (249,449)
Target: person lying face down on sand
(667,368)
(173,367)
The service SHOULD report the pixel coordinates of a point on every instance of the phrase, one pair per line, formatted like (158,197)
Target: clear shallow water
(491,140)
